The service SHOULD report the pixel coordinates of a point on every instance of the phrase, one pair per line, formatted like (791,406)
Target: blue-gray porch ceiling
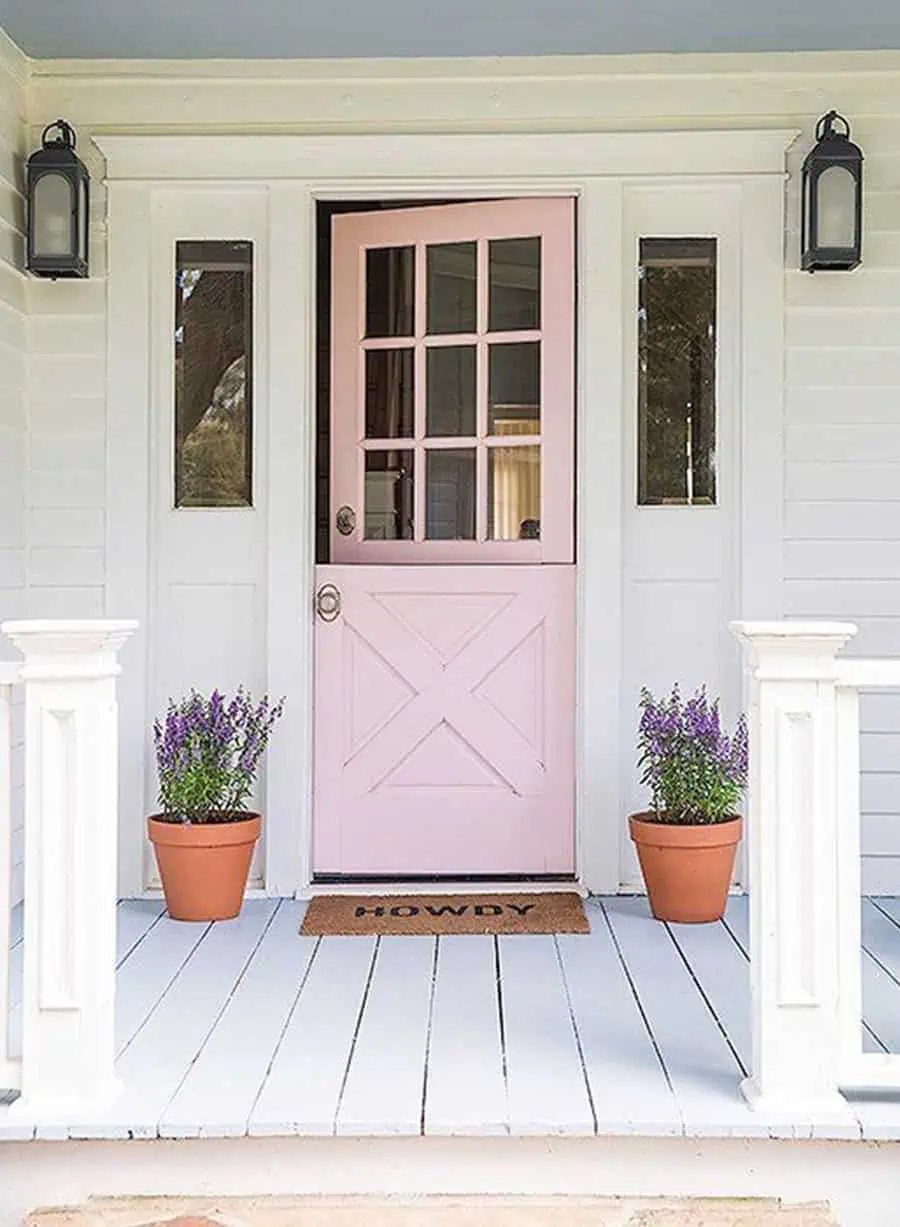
(212,29)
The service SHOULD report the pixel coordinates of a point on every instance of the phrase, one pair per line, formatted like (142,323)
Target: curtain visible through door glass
(213,374)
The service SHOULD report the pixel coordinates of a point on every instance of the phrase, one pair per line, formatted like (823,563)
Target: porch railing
(803,819)
(68,677)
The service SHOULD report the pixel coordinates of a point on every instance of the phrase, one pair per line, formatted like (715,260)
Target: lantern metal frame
(57,156)
(832,149)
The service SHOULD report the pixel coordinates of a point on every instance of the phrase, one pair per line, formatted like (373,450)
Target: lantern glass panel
(52,215)
(836,213)
(83,220)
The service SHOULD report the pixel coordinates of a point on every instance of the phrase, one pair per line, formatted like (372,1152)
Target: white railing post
(71,809)
(793,844)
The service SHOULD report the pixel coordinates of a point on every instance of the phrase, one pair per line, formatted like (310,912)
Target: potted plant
(696,773)
(207,754)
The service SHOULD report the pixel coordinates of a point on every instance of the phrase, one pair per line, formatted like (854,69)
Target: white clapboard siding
(13,395)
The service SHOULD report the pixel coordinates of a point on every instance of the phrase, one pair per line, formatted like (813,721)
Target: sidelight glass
(677,371)
(213,374)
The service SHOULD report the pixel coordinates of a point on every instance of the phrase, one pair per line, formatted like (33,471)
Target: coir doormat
(374,915)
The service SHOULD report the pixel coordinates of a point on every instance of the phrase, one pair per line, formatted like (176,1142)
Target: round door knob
(328,602)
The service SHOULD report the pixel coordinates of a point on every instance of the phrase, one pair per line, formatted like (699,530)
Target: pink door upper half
(444,717)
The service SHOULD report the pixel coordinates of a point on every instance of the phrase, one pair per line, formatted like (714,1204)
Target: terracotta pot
(687,869)
(204,865)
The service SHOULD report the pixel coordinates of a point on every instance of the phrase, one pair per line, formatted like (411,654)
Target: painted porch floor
(244,1027)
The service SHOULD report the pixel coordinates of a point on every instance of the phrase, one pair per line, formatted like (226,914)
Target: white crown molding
(493,157)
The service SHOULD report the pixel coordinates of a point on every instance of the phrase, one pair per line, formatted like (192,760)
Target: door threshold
(328,885)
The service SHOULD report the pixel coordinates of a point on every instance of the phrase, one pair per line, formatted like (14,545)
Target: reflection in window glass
(389,495)
(451,287)
(677,371)
(514,275)
(389,394)
(514,389)
(450,496)
(390,291)
(450,391)
(514,493)
(213,374)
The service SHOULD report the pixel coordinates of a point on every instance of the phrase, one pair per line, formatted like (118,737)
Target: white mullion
(420,353)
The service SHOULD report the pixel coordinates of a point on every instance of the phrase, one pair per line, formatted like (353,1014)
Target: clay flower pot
(687,869)
(204,865)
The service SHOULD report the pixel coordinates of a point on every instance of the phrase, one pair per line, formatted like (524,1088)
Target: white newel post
(793,843)
(71,810)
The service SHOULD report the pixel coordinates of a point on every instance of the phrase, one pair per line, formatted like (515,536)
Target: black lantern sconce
(57,190)
(831,222)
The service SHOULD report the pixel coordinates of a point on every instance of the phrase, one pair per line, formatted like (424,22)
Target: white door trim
(297,170)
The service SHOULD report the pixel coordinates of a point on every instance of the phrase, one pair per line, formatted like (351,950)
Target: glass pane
(515,284)
(390,291)
(213,374)
(514,493)
(514,389)
(389,496)
(451,390)
(677,371)
(52,211)
(450,497)
(451,287)
(836,198)
(390,405)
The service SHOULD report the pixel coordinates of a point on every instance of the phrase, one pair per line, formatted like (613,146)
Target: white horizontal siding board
(842,560)
(67,488)
(162,1052)
(52,375)
(853,442)
(822,598)
(704,1074)
(465,1091)
(629,1088)
(63,447)
(880,794)
(839,482)
(67,416)
(880,751)
(65,568)
(302,1091)
(220,1090)
(847,367)
(65,602)
(384,1090)
(59,528)
(67,334)
(826,521)
(546,1081)
(843,327)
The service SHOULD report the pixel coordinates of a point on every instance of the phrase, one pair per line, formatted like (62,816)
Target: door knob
(328,602)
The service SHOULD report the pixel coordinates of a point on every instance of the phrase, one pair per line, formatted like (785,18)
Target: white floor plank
(629,1087)
(16,924)
(465,1090)
(723,971)
(146,975)
(302,1090)
(155,1063)
(220,1090)
(545,1078)
(701,1066)
(134,919)
(384,1090)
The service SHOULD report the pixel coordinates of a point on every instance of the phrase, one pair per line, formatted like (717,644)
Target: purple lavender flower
(695,772)
(208,751)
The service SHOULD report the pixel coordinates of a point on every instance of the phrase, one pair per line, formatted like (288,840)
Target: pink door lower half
(444,722)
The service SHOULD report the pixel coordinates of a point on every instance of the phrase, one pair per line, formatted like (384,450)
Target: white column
(793,843)
(71,750)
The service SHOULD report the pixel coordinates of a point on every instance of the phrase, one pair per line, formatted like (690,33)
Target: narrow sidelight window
(677,371)
(213,374)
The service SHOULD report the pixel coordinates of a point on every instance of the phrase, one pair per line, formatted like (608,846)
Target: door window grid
(497,501)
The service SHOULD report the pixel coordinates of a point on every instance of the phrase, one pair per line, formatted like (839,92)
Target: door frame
(600,170)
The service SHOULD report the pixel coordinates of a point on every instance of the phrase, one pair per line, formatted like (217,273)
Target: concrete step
(433,1212)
